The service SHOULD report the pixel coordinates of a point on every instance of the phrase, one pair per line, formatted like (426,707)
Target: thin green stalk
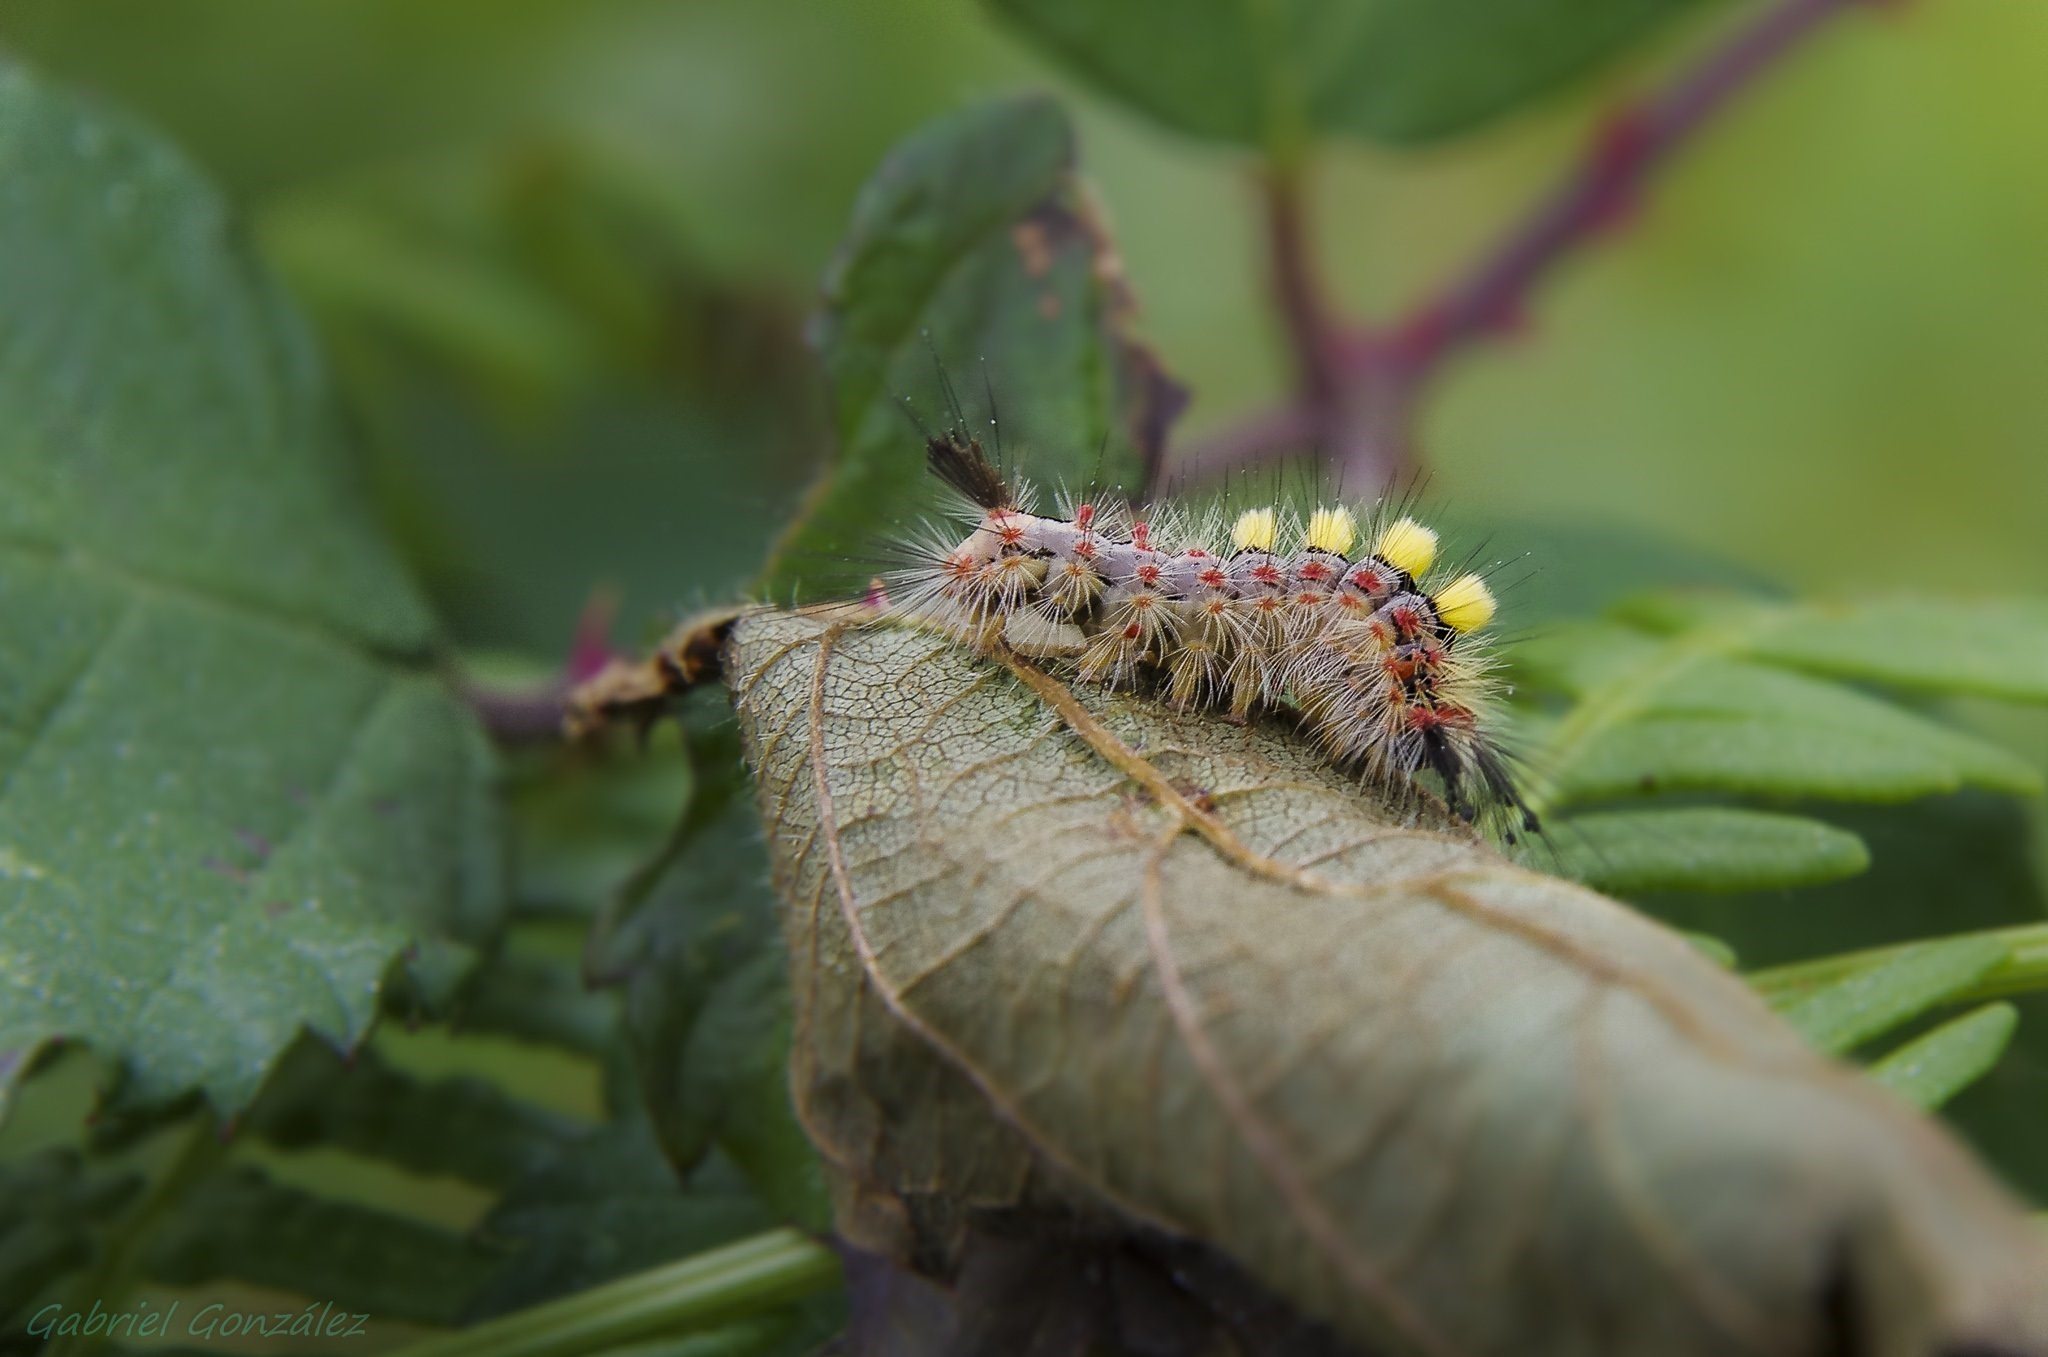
(698,1292)
(2024,970)
(118,1269)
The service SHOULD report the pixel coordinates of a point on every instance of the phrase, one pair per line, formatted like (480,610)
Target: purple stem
(1358,386)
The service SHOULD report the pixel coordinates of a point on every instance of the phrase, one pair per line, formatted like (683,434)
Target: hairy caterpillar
(1386,663)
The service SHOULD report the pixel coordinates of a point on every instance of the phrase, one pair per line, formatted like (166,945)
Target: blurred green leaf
(462,1125)
(582,822)
(1700,702)
(233,795)
(1674,713)
(537,999)
(1989,647)
(1869,1002)
(770,1294)
(1399,71)
(1939,866)
(1703,848)
(562,399)
(53,1206)
(973,250)
(1931,1069)
(239,1225)
(607,1207)
(709,1008)
(2023,969)
(1944,865)
(357,265)
(1567,567)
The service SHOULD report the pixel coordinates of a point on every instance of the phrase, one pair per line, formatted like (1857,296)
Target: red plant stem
(1627,148)
(1358,386)
(533,714)
(1256,438)
(1297,290)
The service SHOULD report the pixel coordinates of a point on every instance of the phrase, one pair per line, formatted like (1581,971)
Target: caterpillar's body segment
(1342,618)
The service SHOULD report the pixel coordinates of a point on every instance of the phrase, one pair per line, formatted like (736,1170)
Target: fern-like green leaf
(1989,647)
(1870,1002)
(1705,848)
(1931,1069)
(1702,694)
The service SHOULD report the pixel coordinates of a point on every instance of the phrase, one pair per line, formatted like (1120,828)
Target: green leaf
(449,302)
(232,795)
(1940,866)
(462,1126)
(1587,563)
(1673,714)
(1703,848)
(1698,691)
(2022,970)
(602,1208)
(1343,1042)
(709,1006)
(972,248)
(759,1296)
(1931,1069)
(1989,647)
(52,1207)
(1946,865)
(538,1000)
(239,1225)
(1870,1002)
(581,824)
(1400,71)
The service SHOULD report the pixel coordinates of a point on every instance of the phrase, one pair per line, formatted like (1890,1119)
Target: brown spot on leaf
(1034,246)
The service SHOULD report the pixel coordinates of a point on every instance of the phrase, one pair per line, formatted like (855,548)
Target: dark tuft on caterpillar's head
(959,461)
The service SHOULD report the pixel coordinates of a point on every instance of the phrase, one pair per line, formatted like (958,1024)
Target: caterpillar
(1336,614)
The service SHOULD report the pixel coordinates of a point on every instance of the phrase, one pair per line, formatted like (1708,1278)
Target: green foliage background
(559,258)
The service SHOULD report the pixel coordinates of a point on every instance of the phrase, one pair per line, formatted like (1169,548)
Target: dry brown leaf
(1063,951)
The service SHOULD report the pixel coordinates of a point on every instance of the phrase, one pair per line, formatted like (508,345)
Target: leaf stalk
(716,1287)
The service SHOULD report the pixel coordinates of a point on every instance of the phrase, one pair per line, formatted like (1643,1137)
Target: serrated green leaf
(462,1126)
(1703,848)
(973,249)
(1347,1045)
(1870,1002)
(1989,647)
(231,796)
(1399,71)
(239,1225)
(1929,1070)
